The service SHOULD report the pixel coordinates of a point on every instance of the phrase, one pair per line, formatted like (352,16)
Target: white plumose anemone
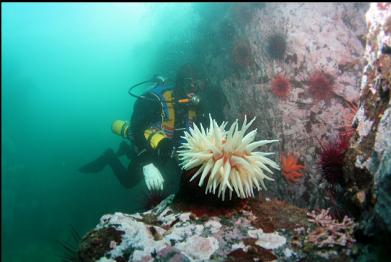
(228,157)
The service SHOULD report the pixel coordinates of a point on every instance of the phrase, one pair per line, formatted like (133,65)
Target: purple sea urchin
(241,54)
(276,46)
(242,13)
(153,198)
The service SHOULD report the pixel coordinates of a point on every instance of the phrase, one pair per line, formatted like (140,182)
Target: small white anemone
(227,157)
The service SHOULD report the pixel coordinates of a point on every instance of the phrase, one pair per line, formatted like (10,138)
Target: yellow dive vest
(157,133)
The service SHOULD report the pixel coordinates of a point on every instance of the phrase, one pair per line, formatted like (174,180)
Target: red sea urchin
(332,160)
(321,85)
(280,86)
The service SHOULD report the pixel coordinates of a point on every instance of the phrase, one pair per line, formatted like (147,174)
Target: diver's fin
(99,163)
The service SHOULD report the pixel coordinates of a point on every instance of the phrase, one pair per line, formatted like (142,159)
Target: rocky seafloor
(255,230)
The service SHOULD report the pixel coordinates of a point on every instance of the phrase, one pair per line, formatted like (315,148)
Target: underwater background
(316,76)
(66,70)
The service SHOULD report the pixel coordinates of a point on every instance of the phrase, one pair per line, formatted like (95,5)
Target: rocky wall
(368,170)
(297,68)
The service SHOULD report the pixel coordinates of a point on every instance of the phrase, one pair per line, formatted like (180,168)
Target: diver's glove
(152,177)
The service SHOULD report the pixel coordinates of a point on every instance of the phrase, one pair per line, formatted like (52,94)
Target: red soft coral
(290,168)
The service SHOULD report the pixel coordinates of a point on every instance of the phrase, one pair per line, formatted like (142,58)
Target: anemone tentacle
(226,160)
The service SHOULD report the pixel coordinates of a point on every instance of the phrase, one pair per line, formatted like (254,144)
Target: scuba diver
(159,119)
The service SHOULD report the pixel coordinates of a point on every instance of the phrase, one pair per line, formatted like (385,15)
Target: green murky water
(66,69)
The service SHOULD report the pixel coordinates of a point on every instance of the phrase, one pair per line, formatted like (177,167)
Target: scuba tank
(121,127)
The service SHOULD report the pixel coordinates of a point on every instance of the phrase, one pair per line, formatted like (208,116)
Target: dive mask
(191,85)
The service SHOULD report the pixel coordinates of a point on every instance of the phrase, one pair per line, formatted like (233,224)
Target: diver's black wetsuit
(147,112)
